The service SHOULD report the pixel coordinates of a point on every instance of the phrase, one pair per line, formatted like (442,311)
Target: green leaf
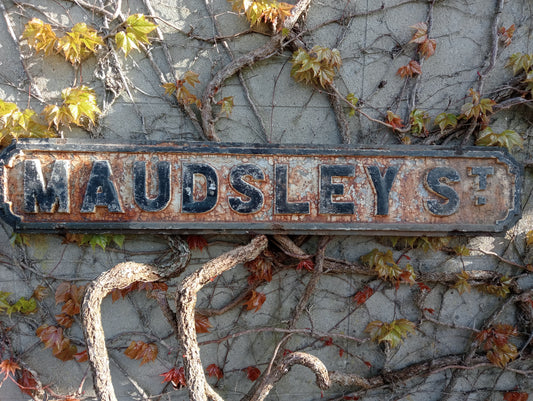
(445,120)
(139,27)
(25,306)
(392,333)
(508,138)
(519,62)
(119,239)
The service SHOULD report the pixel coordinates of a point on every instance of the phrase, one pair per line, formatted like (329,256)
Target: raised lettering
(436,181)
(382,185)
(327,189)
(47,196)
(191,205)
(162,199)
(101,190)
(256,197)
(282,205)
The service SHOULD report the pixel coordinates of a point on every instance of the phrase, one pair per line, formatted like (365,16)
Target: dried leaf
(256,300)
(64,350)
(82,356)
(260,269)
(252,373)
(420,36)
(409,70)
(27,382)
(214,370)
(395,120)
(8,367)
(65,320)
(143,351)
(51,336)
(202,323)
(427,48)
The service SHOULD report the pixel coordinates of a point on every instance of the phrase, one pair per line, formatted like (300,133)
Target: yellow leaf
(126,42)
(81,103)
(40,36)
(139,28)
(80,43)
(170,88)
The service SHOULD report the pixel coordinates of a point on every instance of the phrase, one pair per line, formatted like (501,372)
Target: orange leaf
(143,351)
(71,295)
(64,350)
(362,296)
(394,120)
(40,292)
(202,323)
(8,367)
(214,370)
(427,48)
(412,68)
(196,242)
(252,372)
(175,376)
(257,299)
(306,264)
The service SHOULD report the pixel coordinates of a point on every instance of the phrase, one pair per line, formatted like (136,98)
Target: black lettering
(482,172)
(139,186)
(189,204)
(101,190)
(47,196)
(434,181)
(256,197)
(282,206)
(327,189)
(382,185)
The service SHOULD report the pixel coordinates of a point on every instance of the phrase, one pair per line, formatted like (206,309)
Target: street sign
(61,185)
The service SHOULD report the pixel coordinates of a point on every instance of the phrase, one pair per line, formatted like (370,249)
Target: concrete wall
(270,107)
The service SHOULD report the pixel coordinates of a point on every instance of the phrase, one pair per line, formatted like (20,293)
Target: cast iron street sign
(55,185)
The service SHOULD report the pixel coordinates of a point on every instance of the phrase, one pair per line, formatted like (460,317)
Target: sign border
(70,145)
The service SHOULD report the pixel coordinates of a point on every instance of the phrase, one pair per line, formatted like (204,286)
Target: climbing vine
(370,318)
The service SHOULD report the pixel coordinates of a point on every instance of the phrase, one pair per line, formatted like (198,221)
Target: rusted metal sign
(55,185)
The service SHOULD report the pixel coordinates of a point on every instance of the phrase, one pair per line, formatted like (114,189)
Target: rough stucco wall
(373,45)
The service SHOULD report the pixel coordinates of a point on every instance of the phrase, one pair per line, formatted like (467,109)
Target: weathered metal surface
(59,185)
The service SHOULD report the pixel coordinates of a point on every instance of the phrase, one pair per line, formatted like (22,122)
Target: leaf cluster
(79,107)
(255,301)
(16,123)
(478,109)
(267,11)
(317,67)
(52,337)
(143,351)
(508,138)
(176,376)
(392,333)
(181,92)
(423,243)
(22,305)
(387,268)
(495,341)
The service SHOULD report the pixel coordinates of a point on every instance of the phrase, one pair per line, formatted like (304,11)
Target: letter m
(46,195)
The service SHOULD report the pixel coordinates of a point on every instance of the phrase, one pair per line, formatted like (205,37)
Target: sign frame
(19,148)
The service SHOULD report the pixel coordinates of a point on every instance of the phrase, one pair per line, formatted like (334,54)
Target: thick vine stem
(120,276)
(262,389)
(186,295)
(261,53)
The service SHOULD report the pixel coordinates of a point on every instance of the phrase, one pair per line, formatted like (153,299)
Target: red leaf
(50,335)
(306,264)
(515,396)
(427,48)
(202,323)
(341,352)
(260,269)
(252,372)
(27,383)
(423,287)
(395,120)
(141,350)
(214,370)
(71,295)
(196,242)
(175,376)
(430,310)
(362,296)
(347,397)
(327,341)
(368,364)
(256,300)
(8,367)
(82,356)
(286,352)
